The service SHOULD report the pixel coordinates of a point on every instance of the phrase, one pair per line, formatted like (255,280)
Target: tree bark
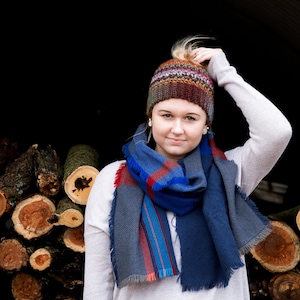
(16,180)
(48,171)
(288,216)
(80,170)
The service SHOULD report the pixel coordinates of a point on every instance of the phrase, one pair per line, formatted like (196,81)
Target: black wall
(80,74)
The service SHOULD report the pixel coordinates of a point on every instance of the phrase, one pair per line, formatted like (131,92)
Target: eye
(190,118)
(167,116)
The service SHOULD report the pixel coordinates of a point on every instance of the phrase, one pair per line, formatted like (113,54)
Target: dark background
(79,73)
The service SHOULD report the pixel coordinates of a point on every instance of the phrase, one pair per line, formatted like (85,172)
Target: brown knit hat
(184,80)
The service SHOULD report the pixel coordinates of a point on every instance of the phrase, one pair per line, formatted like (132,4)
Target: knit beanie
(184,80)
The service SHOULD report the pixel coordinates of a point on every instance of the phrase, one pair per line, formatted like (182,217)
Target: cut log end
(30,217)
(79,183)
(25,286)
(13,255)
(73,239)
(71,218)
(3,203)
(298,220)
(40,259)
(285,286)
(280,251)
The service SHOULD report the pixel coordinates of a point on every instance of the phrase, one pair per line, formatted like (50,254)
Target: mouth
(175,141)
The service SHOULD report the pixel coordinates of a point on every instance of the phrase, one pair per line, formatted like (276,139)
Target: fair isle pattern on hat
(185,80)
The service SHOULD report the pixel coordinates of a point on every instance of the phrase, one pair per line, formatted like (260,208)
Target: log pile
(274,264)
(42,204)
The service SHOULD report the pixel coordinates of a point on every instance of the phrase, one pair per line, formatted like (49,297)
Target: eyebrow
(169,111)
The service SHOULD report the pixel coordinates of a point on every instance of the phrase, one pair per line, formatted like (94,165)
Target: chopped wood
(73,239)
(42,258)
(298,220)
(30,216)
(80,155)
(17,178)
(26,287)
(285,286)
(68,213)
(48,171)
(78,185)
(4,205)
(13,255)
(280,251)
(80,170)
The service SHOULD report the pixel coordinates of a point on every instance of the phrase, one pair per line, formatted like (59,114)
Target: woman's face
(177,127)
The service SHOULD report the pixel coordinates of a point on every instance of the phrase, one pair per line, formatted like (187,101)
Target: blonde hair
(182,48)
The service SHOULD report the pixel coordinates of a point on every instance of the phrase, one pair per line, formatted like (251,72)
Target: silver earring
(150,123)
(205,131)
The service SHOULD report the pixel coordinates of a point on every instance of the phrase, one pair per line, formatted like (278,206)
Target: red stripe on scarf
(215,150)
(146,255)
(161,172)
(119,179)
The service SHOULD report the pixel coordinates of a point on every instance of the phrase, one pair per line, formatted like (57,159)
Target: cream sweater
(269,132)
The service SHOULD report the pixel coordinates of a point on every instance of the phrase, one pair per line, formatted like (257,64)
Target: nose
(177,127)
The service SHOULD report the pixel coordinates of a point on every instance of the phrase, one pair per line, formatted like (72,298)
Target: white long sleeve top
(269,135)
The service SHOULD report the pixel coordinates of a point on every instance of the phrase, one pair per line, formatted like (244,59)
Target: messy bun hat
(185,80)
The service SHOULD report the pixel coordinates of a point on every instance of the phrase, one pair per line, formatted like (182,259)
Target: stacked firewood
(274,264)
(42,204)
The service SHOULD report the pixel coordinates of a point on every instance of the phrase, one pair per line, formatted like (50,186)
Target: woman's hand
(203,54)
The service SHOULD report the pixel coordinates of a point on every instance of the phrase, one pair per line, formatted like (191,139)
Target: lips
(176,141)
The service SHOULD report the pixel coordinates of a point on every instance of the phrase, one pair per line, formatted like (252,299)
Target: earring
(205,131)
(150,123)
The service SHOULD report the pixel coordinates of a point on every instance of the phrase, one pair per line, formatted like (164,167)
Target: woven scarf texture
(215,221)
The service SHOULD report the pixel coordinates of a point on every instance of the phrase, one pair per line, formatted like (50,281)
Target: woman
(173,219)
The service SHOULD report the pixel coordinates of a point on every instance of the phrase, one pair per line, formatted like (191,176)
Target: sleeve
(269,130)
(98,273)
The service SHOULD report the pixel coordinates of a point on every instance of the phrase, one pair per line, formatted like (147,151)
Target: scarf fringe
(136,279)
(210,285)
(214,284)
(147,278)
(112,244)
(254,242)
(263,234)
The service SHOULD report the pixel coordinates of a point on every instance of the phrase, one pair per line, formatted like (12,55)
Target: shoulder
(111,168)
(104,181)
(101,196)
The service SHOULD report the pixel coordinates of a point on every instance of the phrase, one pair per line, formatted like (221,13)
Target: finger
(202,54)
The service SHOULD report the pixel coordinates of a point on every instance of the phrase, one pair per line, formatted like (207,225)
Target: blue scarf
(216,221)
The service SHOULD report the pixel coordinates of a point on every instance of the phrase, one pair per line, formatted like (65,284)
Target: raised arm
(269,130)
